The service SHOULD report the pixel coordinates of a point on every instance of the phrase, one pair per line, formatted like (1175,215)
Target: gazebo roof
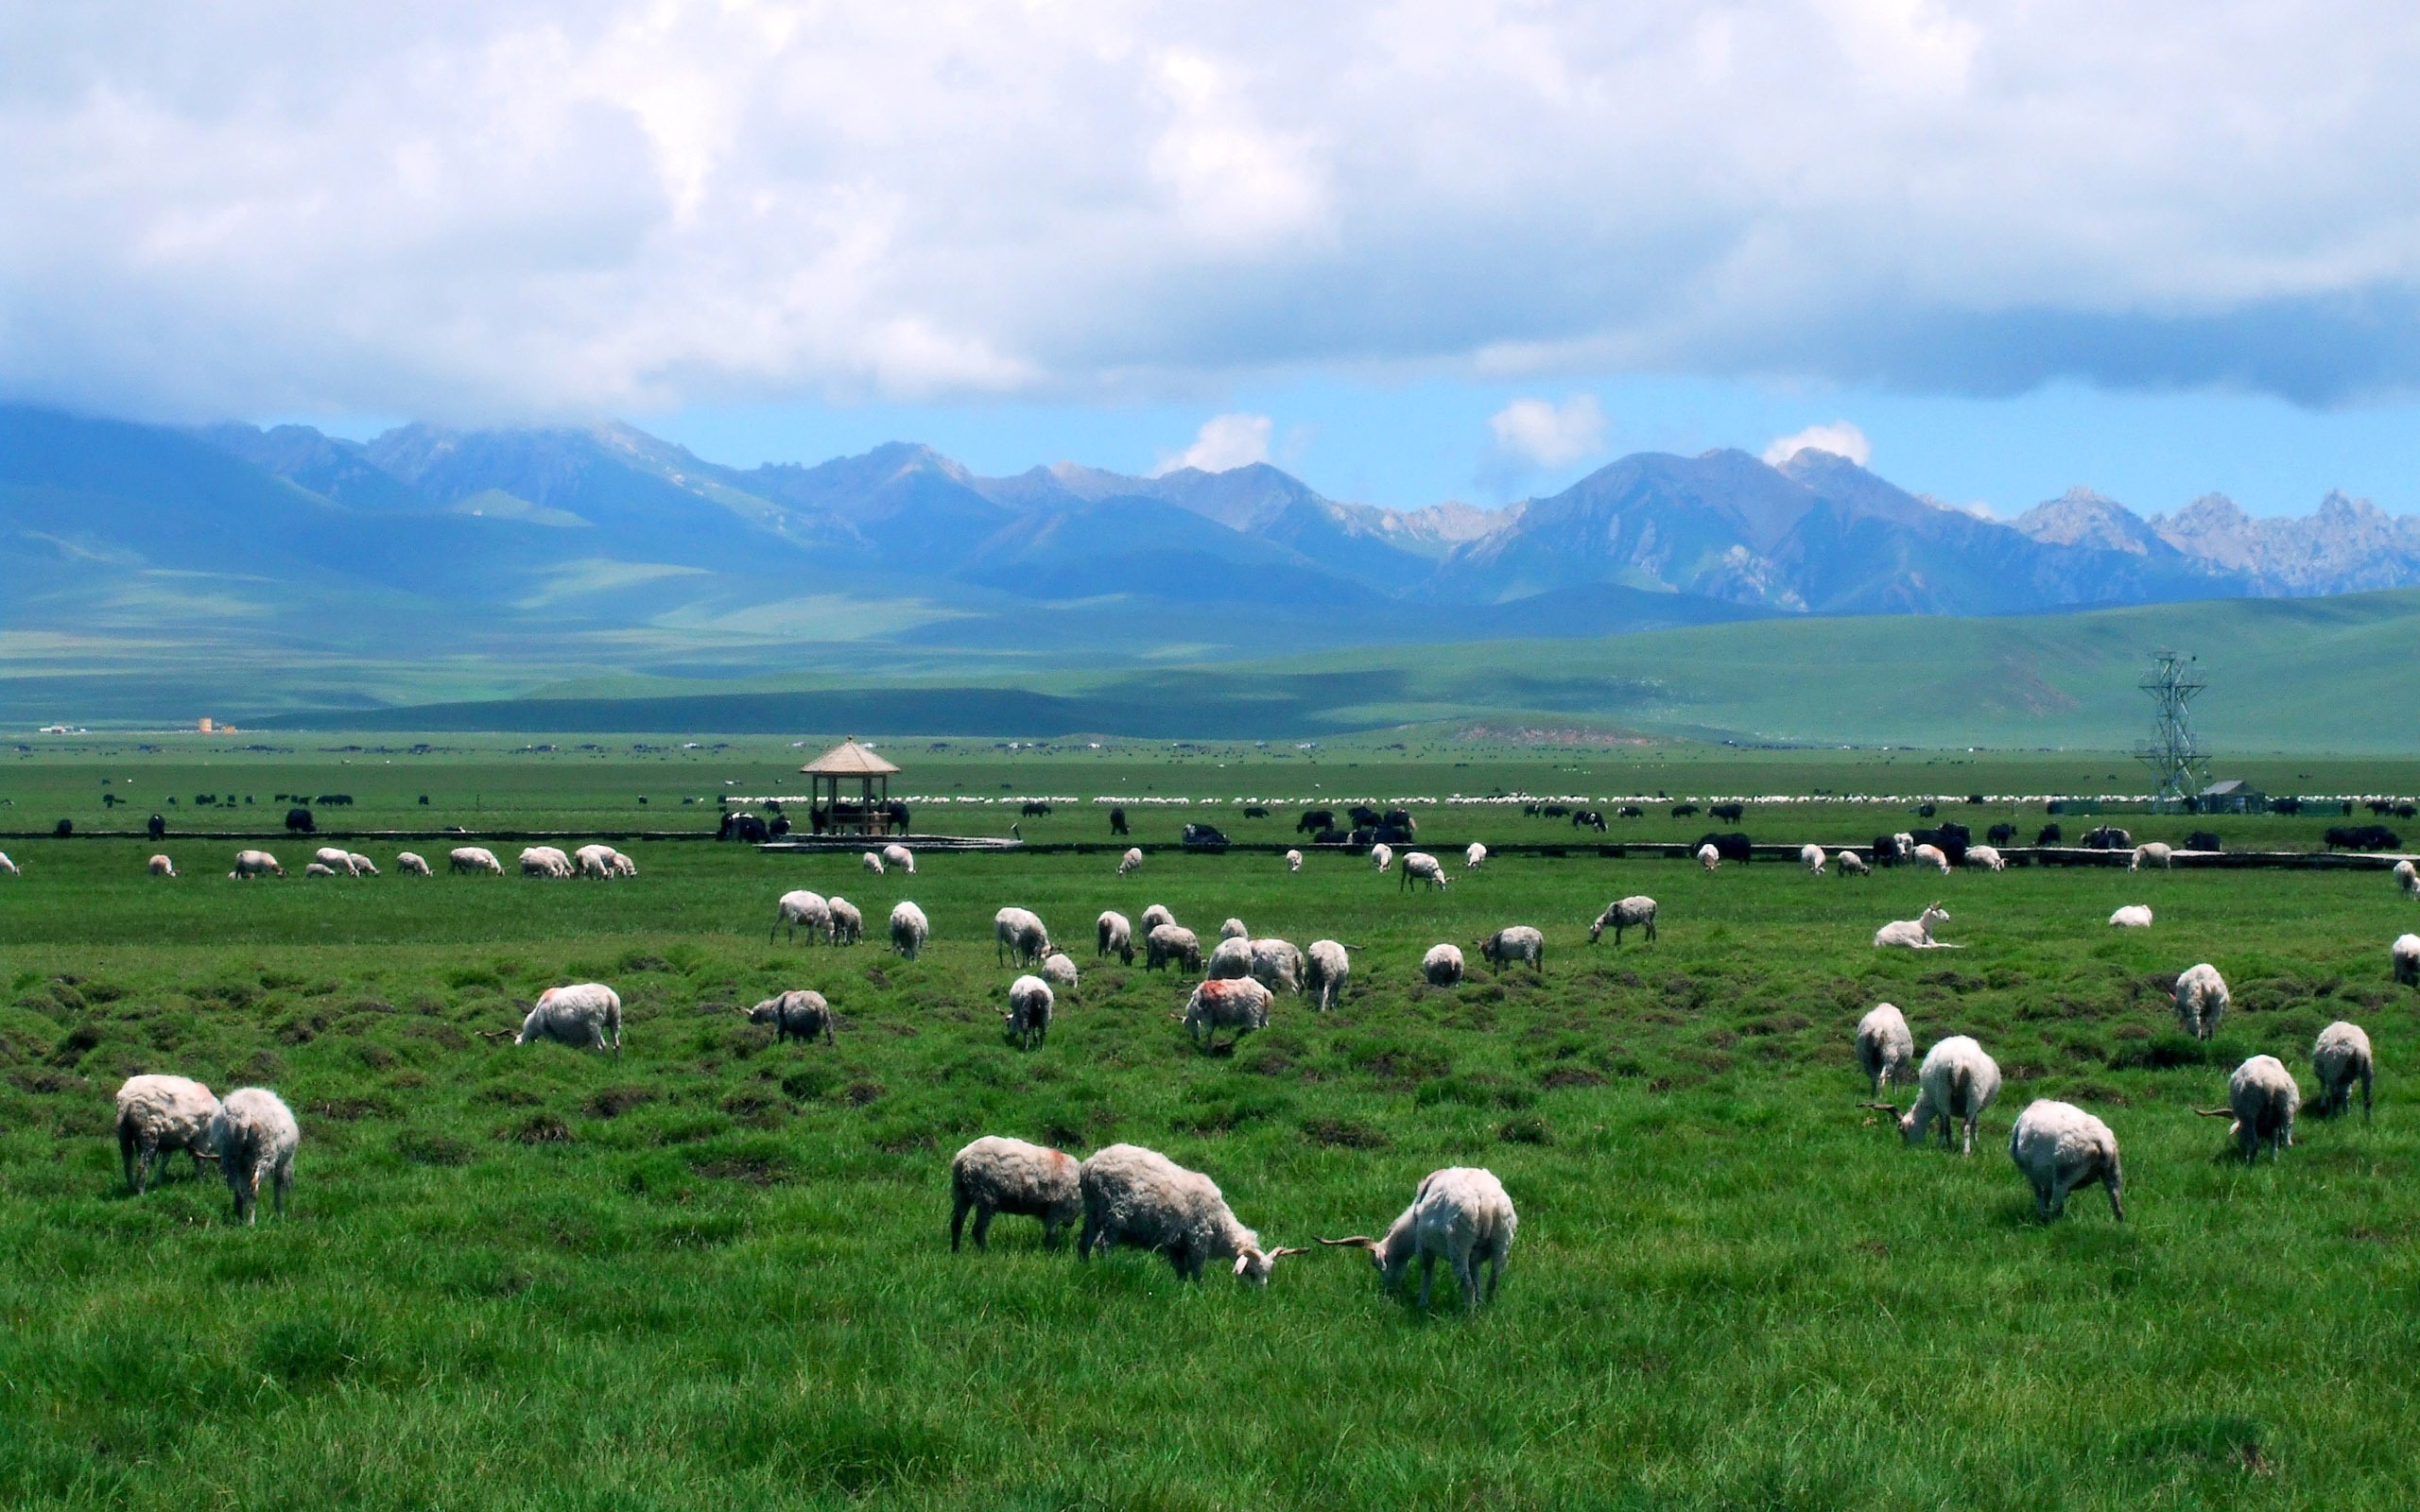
(849,758)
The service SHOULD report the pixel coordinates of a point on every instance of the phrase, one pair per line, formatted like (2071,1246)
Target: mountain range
(471,561)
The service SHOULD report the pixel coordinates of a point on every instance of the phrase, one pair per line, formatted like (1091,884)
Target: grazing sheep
(848,924)
(1327,971)
(1985,857)
(1171,942)
(587,1015)
(908,930)
(472,858)
(1132,858)
(8,866)
(1115,936)
(1933,855)
(1059,970)
(872,863)
(2262,1099)
(254,1134)
(1156,916)
(901,857)
(1233,929)
(1018,932)
(623,866)
(1029,1014)
(1442,966)
(408,863)
(1852,864)
(2150,853)
(2058,1147)
(1140,1198)
(798,1014)
(336,858)
(1382,856)
(2405,953)
(362,865)
(1294,861)
(993,1176)
(1461,1215)
(2201,998)
(1954,1085)
(1811,857)
(162,867)
(1233,1003)
(251,863)
(317,869)
(1277,965)
(2407,877)
(161,1114)
(1913,934)
(2340,1057)
(1475,858)
(801,908)
(1230,959)
(595,860)
(1516,942)
(1709,857)
(1635,911)
(2134,916)
(1884,1047)
(1419,865)
(545,861)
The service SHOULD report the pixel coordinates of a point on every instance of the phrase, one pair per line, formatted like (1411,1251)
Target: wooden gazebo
(863,812)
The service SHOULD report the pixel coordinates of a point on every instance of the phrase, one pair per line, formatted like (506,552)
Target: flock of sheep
(601,861)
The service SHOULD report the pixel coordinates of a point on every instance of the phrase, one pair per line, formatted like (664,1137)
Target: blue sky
(1412,250)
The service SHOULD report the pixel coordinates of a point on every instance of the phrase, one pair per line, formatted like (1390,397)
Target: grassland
(714,1272)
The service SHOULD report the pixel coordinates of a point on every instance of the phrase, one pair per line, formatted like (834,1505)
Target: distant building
(2233,795)
(204,726)
(55,730)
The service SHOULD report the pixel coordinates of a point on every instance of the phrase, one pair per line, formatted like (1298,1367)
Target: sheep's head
(1255,1263)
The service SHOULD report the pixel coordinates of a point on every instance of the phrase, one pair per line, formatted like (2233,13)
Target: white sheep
(8,866)
(1912,934)
(872,862)
(2058,1147)
(2262,1099)
(1884,1045)
(848,923)
(2201,1000)
(2150,853)
(1419,865)
(1514,942)
(410,863)
(1933,855)
(472,858)
(1852,864)
(1238,1003)
(336,858)
(908,930)
(162,867)
(159,1115)
(1475,858)
(993,1176)
(1325,973)
(1113,936)
(1171,942)
(2340,1056)
(1233,929)
(2407,877)
(623,866)
(1059,970)
(1442,966)
(1231,958)
(1709,857)
(545,861)
(1139,1198)
(362,865)
(795,1014)
(2405,953)
(1018,932)
(1156,916)
(1461,1215)
(802,909)
(901,857)
(596,861)
(1811,857)
(251,863)
(1131,859)
(1635,911)
(321,868)
(1904,844)
(586,1014)
(1955,1084)
(1277,965)
(1294,861)
(1382,856)
(254,1135)
(1986,857)
(1029,1014)
(2134,916)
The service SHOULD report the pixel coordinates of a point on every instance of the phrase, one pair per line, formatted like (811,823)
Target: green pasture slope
(714,1272)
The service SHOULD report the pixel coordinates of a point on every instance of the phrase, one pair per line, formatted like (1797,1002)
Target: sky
(1409,249)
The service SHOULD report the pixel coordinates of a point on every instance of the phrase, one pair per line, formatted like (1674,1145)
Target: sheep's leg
(126,1157)
(2365,1093)
(1087,1238)
(958,1221)
(283,1179)
(1428,1273)
(1969,1148)
(984,1212)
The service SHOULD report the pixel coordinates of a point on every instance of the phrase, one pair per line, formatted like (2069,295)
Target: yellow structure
(849,763)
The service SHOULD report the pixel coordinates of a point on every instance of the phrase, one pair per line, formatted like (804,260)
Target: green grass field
(714,1271)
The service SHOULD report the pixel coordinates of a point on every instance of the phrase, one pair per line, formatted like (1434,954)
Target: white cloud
(1223,443)
(1549,435)
(525,207)
(1840,437)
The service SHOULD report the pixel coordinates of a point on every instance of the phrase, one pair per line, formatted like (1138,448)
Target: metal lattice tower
(2179,768)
